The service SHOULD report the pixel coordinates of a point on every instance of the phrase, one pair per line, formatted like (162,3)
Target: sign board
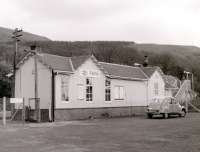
(16,100)
(90,73)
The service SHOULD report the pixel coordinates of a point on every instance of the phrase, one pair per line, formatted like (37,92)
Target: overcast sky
(142,21)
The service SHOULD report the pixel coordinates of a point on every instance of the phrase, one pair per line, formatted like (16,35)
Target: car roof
(163,97)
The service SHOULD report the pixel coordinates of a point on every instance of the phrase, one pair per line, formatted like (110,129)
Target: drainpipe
(147,92)
(53,96)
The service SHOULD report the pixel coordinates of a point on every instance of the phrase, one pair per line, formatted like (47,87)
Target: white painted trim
(144,73)
(119,65)
(126,78)
(72,66)
(60,72)
(65,101)
(108,101)
(23,59)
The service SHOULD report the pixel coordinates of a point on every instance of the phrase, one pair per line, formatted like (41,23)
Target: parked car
(165,106)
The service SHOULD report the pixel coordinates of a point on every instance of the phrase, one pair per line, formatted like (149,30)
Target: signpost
(16,100)
(90,73)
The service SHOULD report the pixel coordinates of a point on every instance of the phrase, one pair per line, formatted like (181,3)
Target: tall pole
(192,82)
(16,35)
(36,76)
(36,89)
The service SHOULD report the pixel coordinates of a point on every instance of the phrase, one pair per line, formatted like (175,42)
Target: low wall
(30,114)
(88,113)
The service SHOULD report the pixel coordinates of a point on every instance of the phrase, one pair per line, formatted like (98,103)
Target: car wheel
(149,115)
(183,113)
(165,115)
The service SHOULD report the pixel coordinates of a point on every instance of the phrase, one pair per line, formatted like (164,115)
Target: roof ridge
(71,64)
(151,67)
(56,55)
(80,56)
(144,73)
(119,64)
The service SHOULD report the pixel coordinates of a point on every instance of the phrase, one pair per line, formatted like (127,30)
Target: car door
(177,107)
(171,106)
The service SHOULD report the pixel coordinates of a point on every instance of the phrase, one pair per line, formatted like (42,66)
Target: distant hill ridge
(173,59)
(6,34)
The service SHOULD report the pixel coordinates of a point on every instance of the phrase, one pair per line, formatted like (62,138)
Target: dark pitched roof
(168,85)
(123,71)
(150,70)
(56,62)
(69,64)
(171,82)
(79,60)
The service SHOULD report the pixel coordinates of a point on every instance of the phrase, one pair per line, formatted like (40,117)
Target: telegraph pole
(15,35)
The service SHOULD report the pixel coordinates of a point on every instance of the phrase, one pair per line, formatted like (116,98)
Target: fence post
(23,111)
(39,111)
(4,111)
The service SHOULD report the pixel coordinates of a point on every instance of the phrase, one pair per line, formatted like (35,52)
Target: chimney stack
(146,61)
(33,47)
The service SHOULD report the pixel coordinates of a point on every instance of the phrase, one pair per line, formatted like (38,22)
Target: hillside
(185,56)
(6,34)
(173,59)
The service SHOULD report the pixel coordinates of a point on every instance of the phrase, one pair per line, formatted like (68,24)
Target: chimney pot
(146,61)
(33,47)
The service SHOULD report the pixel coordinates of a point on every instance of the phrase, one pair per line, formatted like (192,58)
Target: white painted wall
(155,78)
(135,91)
(25,82)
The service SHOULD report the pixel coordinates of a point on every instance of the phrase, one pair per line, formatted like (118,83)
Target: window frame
(108,90)
(156,88)
(89,87)
(80,91)
(64,87)
(119,97)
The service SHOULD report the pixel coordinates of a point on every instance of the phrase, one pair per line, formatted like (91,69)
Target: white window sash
(119,92)
(64,88)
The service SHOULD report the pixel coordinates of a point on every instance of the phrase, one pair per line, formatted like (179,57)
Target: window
(156,88)
(107,90)
(89,89)
(64,88)
(119,92)
(80,92)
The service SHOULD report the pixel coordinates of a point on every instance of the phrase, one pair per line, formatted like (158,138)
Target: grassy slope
(5,35)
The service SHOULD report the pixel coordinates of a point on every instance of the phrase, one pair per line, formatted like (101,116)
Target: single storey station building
(81,87)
